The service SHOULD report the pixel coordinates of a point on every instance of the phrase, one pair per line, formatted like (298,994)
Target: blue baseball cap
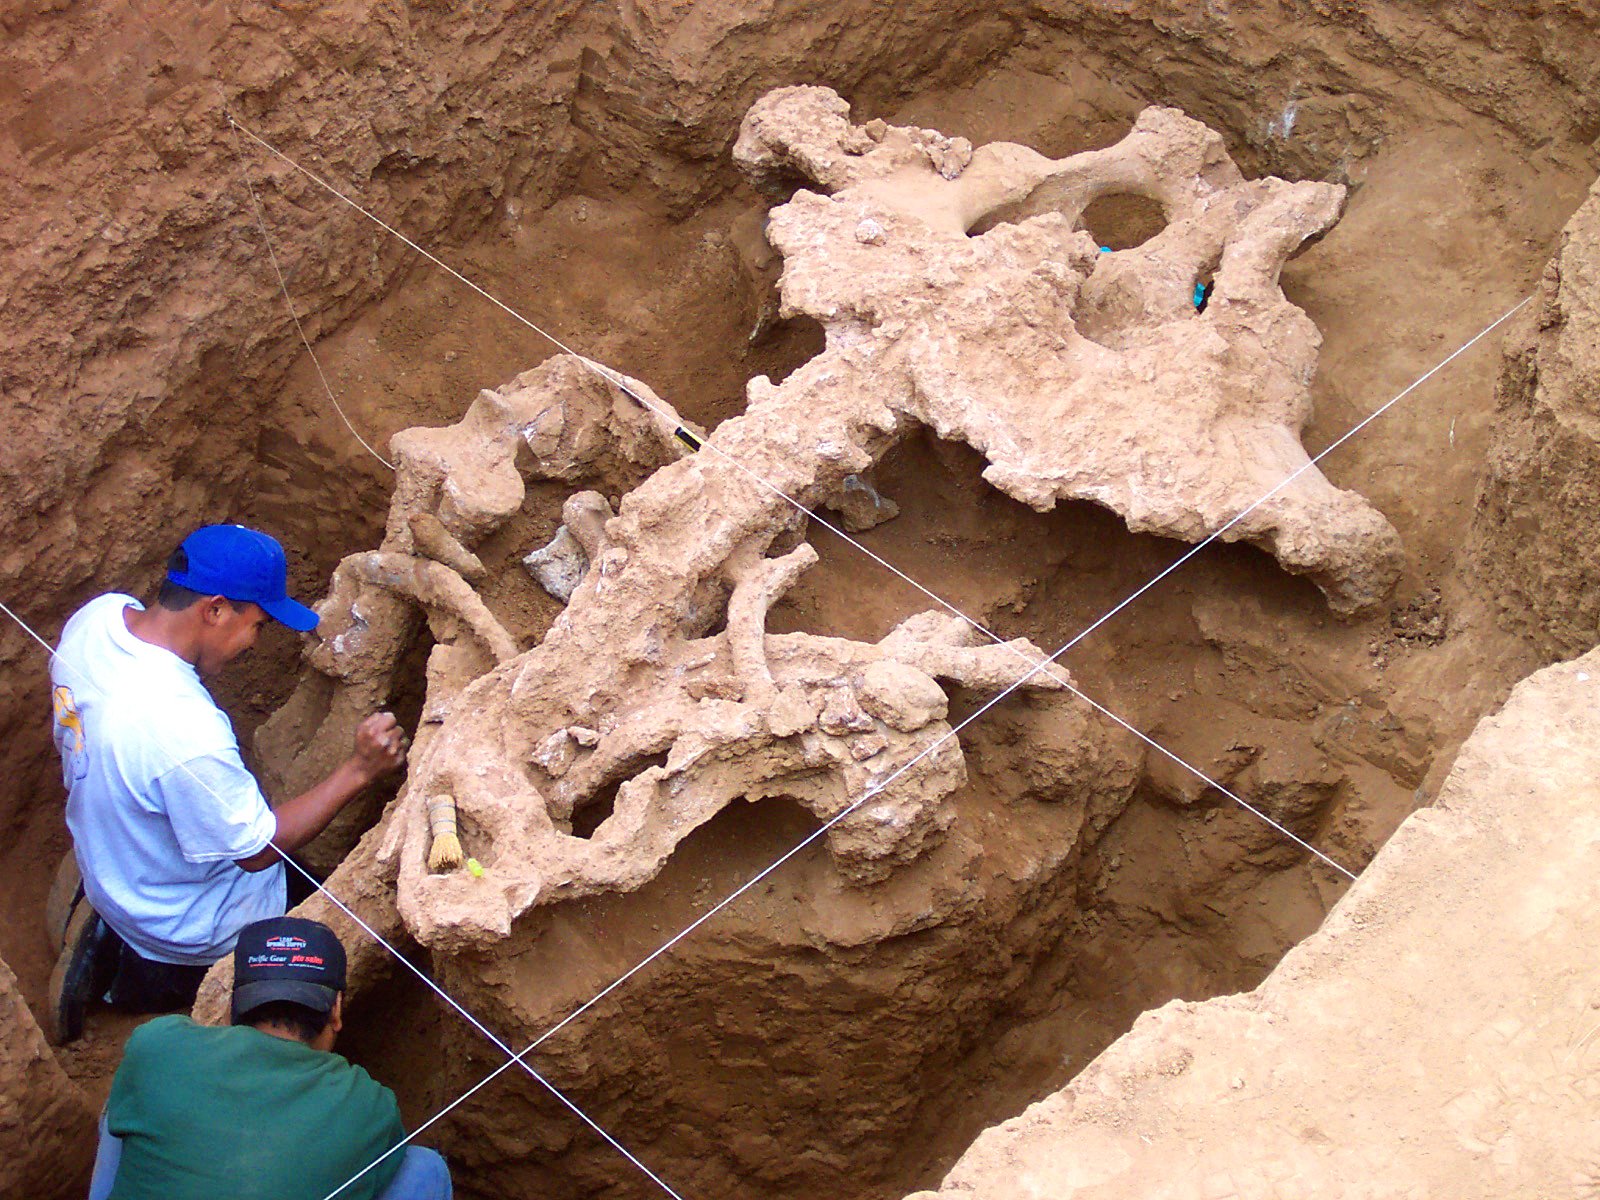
(244,565)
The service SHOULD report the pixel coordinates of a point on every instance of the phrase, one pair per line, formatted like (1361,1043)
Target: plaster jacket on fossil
(1075,373)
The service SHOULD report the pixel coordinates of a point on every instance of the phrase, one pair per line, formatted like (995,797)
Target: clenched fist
(381,744)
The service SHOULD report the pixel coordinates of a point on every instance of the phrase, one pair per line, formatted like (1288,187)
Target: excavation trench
(817,1036)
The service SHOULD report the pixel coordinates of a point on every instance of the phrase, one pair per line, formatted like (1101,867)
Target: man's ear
(215,609)
(336,1013)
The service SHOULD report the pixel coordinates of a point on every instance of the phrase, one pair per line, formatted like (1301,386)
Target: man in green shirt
(262,1109)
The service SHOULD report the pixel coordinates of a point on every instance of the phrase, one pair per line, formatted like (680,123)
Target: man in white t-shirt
(177,846)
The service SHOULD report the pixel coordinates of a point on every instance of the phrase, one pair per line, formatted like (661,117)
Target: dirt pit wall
(576,157)
(1270,1092)
(141,306)
(1531,545)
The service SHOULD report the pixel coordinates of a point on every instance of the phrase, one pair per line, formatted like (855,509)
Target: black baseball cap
(286,958)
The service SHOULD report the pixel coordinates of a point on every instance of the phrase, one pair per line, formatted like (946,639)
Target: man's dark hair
(305,1023)
(174,597)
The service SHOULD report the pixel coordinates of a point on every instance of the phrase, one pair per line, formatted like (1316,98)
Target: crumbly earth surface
(1533,547)
(1436,1037)
(45,1119)
(576,159)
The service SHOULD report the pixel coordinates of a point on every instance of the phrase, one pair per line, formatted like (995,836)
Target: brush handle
(441,815)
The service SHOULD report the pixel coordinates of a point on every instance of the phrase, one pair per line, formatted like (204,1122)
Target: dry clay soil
(572,159)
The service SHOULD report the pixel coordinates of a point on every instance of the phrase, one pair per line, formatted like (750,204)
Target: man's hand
(380,745)
(380,748)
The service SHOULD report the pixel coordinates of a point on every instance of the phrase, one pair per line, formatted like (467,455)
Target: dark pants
(143,985)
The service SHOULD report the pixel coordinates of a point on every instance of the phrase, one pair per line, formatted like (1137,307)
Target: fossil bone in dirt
(957,292)
(1079,374)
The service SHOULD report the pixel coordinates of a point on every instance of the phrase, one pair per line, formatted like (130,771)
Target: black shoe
(83,971)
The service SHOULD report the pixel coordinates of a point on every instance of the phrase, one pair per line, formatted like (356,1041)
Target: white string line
(879,787)
(622,384)
(377,937)
(619,381)
(255,205)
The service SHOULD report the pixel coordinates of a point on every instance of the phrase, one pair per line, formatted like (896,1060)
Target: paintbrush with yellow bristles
(444,853)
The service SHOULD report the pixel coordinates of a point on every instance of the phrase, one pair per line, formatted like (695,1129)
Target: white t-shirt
(159,803)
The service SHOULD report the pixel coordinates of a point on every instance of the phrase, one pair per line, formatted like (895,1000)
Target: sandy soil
(637,251)
(1433,1038)
(1186,897)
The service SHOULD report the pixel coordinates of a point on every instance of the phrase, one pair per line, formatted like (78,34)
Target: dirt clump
(1533,545)
(1447,970)
(45,1119)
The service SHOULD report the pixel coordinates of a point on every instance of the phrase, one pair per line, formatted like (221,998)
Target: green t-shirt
(206,1111)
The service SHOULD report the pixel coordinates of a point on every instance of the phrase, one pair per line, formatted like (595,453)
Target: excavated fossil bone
(956,292)
(630,702)
(1079,374)
(453,487)
(559,566)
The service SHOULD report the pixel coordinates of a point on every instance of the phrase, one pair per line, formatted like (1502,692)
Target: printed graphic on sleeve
(69,737)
